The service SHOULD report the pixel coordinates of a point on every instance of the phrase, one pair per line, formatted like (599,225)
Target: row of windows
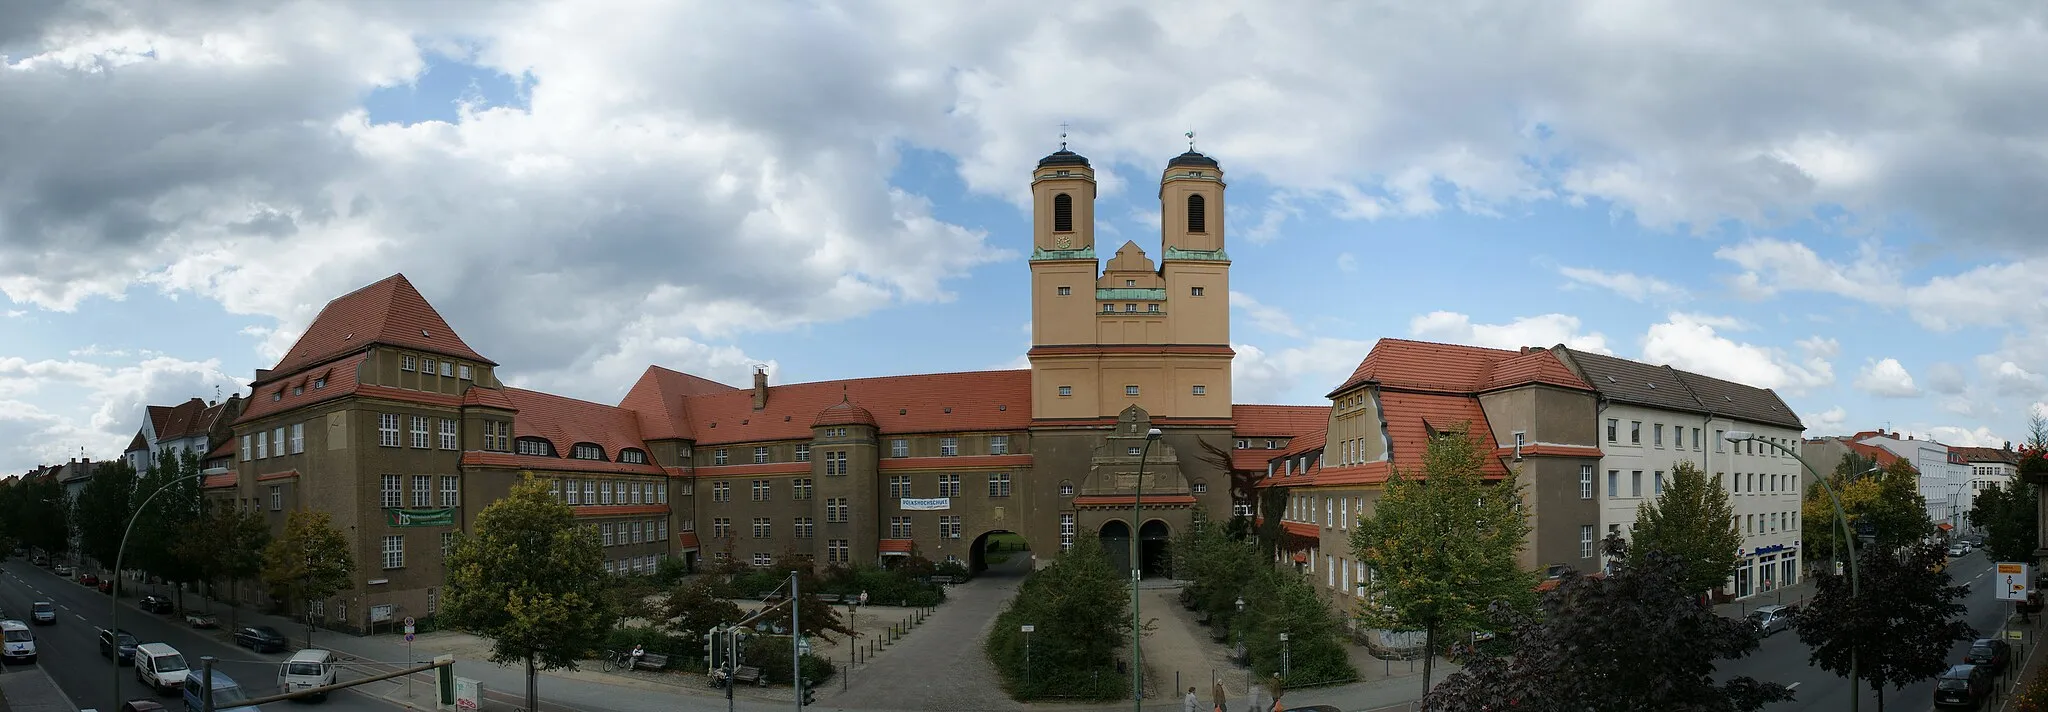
(1063,213)
(602,492)
(298,390)
(427,366)
(1741,483)
(391,492)
(635,565)
(1134,391)
(423,438)
(1678,441)
(259,445)
(1324,510)
(835,460)
(1767,523)
(1067,291)
(542,447)
(624,533)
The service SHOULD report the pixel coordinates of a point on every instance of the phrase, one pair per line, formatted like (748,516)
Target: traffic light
(810,693)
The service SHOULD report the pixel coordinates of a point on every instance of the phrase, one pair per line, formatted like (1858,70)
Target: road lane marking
(1793,686)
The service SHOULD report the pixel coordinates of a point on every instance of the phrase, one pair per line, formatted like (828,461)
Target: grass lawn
(1002,545)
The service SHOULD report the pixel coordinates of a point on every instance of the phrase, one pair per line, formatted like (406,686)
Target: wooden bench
(829,597)
(650,661)
(749,673)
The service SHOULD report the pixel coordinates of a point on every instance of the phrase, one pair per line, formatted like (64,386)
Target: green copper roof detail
(1133,293)
(1175,253)
(1085,253)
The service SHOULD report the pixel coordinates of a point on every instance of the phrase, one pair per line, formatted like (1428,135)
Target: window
(1195,291)
(1585,541)
(835,510)
(1198,218)
(661,529)
(1130,390)
(803,453)
(451,490)
(640,532)
(394,551)
(1613,424)
(590,491)
(1635,484)
(721,527)
(1657,434)
(389,494)
(718,456)
(835,551)
(760,455)
(319,383)
(721,491)
(422,491)
(262,446)
(760,490)
(1130,283)
(1108,308)
(1066,528)
(949,447)
(899,486)
(998,444)
(899,447)
(1152,308)
(405,363)
(1130,307)
(448,441)
(999,484)
(464,371)
(427,366)
(1062,213)
(604,493)
(1659,482)
(1695,439)
(640,493)
(835,432)
(1585,482)
(607,534)
(800,488)
(899,527)
(835,462)
(586,451)
(298,438)
(803,527)
(1199,487)
(576,493)
(633,457)
(1066,291)
(448,368)
(1635,432)
(1719,441)
(1066,391)
(555,489)
(762,559)
(535,446)
(447,547)
(1201,390)
(276,498)
(661,491)
(419,432)
(1066,489)
(949,485)
(949,526)
(248,449)
(1133,451)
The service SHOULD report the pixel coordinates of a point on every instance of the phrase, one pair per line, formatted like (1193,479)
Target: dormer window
(319,383)
(586,451)
(298,390)
(406,363)
(536,446)
(277,396)
(631,456)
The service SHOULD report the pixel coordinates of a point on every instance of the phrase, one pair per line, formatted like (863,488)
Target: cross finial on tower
(1191,141)
(1063,135)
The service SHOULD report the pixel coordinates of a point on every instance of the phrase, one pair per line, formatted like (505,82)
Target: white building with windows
(1944,477)
(1988,467)
(1651,418)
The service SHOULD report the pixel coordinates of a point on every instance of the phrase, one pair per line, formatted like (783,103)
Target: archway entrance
(1153,548)
(1116,543)
(999,552)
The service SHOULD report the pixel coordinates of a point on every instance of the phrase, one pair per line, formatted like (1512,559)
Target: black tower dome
(1192,158)
(1064,157)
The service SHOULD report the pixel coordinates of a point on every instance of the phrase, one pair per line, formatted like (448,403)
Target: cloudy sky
(1839,200)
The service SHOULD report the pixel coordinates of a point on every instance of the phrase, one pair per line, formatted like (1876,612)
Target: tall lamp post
(114,619)
(1848,541)
(1137,571)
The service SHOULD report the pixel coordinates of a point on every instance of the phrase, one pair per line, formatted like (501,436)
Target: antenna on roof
(1191,141)
(1063,135)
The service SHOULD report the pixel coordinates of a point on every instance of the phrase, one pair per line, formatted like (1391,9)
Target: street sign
(408,635)
(409,630)
(1028,628)
(803,645)
(408,623)
(2012,581)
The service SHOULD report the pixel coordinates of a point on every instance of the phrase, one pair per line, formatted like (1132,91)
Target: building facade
(1990,467)
(1944,477)
(194,426)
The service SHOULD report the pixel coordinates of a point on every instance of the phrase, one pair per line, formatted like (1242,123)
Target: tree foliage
(1901,626)
(532,580)
(1635,639)
(1080,608)
(1217,567)
(224,545)
(1283,601)
(106,501)
(817,617)
(1693,523)
(175,483)
(311,562)
(1887,501)
(34,512)
(694,608)
(1445,544)
(2007,513)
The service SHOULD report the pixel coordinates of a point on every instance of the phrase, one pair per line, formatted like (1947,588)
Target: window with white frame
(661,530)
(394,551)
(248,449)
(899,447)
(999,484)
(763,528)
(760,455)
(661,491)
(276,498)
(1066,488)
(836,510)
(590,491)
(639,533)
(721,491)
(949,526)
(608,533)
(800,488)
(949,485)
(1130,390)
(949,447)
(447,547)
(262,446)
(422,491)
(1585,482)
(448,439)
(406,363)
(998,444)
(763,559)
(803,452)
(604,492)
(389,493)
(899,486)
(1066,530)
(1066,391)
(448,368)
(419,432)
(298,438)
(1201,390)
(719,456)
(576,492)
(1585,541)
(761,490)
(451,490)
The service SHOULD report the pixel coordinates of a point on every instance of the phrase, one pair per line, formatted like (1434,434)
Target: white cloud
(1541,330)
(107,403)
(1633,286)
(1989,295)
(1946,378)
(1958,436)
(1265,316)
(1832,420)
(1693,345)
(1887,378)
(1261,376)
(1347,262)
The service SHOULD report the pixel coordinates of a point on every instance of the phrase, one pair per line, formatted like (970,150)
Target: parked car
(40,560)
(1990,653)
(142,706)
(89,580)
(161,667)
(1771,619)
(106,586)
(62,569)
(305,670)
(260,638)
(155,604)
(201,620)
(1958,549)
(1962,686)
(228,696)
(20,642)
(42,612)
(118,645)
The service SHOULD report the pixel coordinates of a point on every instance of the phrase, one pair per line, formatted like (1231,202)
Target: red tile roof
(1987,454)
(159,418)
(688,540)
(659,399)
(895,546)
(1278,421)
(276,396)
(845,412)
(226,449)
(489,397)
(1411,417)
(285,475)
(138,443)
(389,311)
(1533,366)
(1548,450)
(1423,365)
(567,421)
(218,481)
(930,403)
(1883,457)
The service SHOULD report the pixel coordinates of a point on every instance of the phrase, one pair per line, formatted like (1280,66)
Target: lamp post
(1137,571)
(114,619)
(1848,540)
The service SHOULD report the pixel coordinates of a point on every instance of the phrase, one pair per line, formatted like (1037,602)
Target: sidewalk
(32,690)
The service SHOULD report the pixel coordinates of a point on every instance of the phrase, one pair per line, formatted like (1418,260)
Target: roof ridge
(1512,352)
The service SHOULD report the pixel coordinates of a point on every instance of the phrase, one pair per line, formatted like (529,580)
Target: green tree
(2007,514)
(37,514)
(1080,608)
(225,544)
(108,500)
(1900,629)
(533,581)
(1637,639)
(694,608)
(161,522)
(1282,601)
(1445,545)
(1218,567)
(817,617)
(309,563)
(1693,522)
(1887,502)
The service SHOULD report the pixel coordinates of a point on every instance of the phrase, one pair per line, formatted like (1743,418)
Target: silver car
(1771,619)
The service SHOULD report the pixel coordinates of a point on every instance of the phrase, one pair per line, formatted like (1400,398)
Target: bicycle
(615,661)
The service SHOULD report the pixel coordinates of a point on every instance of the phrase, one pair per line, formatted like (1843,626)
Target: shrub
(885,587)
(771,654)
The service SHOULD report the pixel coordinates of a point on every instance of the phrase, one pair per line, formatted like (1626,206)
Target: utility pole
(796,639)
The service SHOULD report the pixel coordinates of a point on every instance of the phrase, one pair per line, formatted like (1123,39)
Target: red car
(89,579)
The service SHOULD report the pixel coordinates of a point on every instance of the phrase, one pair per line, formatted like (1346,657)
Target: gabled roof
(567,421)
(137,444)
(1987,454)
(1625,381)
(1413,417)
(389,311)
(929,403)
(658,397)
(1278,421)
(159,419)
(1457,368)
(190,419)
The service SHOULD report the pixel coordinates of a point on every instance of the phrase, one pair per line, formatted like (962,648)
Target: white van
(161,667)
(20,642)
(305,670)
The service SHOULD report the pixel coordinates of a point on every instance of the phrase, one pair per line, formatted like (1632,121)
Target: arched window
(1063,213)
(1198,214)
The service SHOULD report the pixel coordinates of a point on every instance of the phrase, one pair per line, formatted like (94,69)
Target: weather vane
(1063,135)
(1191,141)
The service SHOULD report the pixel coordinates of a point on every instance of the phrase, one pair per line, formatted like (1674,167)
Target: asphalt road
(69,650)
(1783,659)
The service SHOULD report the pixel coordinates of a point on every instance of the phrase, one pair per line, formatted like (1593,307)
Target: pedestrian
(1219,695)
(1279,688)
(1192,703)
(1259,699)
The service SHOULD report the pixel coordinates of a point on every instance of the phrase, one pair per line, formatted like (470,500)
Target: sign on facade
(925,504)
(419,517)
(380,613)
(469,694)
(2012,581)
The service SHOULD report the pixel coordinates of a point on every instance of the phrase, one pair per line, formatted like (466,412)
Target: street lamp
(114,620)
(1137,571)
(1848,540)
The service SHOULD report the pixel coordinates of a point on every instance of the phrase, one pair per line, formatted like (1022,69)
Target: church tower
(1133,335)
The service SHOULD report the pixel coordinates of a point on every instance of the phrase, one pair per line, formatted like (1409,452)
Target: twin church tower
(1153,336)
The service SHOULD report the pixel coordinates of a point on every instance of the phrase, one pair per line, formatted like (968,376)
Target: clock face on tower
(1064,243)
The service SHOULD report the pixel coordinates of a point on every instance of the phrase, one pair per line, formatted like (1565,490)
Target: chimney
(760,387)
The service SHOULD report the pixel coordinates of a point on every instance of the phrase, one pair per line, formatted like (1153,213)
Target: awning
(1945,526)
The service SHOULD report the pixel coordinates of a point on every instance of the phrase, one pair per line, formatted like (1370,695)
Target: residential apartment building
(1651,418)
(1944,477)
(1989,467)
(195,425)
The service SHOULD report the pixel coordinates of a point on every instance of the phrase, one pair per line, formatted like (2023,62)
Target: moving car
(305,670)
(201,620)
(260,638)
(1989,653)
(118,645)
(42,612)
(89,579)
(227,695)
(62,569)
(155,604)
(1771,619)
(1962,686)
(1958,549)
(20,642)
(161,667)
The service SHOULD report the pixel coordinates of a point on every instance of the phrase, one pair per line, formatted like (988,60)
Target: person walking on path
(1259,699)
(1192,703)
(1219,695)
